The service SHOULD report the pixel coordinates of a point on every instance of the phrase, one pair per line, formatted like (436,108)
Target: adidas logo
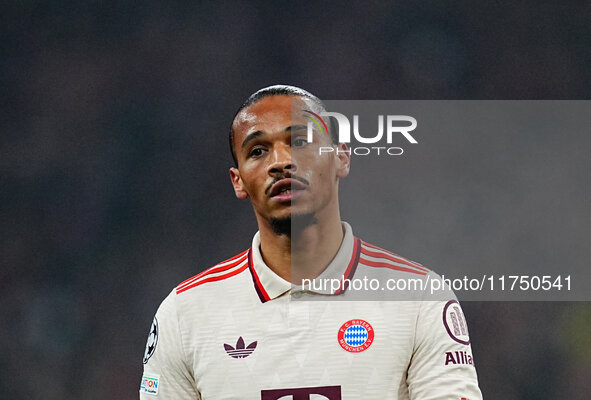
(240,351)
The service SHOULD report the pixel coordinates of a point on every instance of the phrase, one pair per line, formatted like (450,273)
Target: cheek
(324,167)
(259,188)
(253,189)
(249,182)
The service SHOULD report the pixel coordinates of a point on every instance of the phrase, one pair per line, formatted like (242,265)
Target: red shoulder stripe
(220,267)
(213,279)
(223,262)
(212,270)
(390,266)
(388,257)
(395,257)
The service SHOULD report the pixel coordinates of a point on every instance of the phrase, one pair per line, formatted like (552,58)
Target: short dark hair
(277,90)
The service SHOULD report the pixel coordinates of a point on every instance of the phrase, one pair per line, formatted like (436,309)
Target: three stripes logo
(240,351)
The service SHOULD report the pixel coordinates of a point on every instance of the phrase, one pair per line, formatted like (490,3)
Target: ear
(237,183)
(343,159)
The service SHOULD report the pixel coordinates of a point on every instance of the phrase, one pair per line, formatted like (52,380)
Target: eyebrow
(257,134)
(296,127)
(251,137)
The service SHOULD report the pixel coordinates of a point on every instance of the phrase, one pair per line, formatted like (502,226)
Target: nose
(280,160)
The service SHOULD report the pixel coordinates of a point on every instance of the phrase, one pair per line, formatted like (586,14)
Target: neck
(308,251)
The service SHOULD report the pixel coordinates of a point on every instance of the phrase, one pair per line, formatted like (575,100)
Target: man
(238,331)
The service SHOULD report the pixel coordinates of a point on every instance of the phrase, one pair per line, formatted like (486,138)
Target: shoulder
(218,274)
(403,278)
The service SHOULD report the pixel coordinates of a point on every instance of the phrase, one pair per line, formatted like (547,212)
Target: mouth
(287,190)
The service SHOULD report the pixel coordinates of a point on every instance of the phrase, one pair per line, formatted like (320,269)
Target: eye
(256,152)
(299,142)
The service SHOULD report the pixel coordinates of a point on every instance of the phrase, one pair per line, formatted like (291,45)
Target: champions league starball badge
(152,341)
(356,335)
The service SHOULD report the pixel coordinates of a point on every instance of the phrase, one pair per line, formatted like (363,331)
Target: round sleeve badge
(152,341)
(455,322)
(356,335)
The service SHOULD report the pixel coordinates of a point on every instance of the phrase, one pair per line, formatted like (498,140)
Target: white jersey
(239,331)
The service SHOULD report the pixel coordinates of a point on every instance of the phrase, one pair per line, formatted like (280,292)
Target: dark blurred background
(114,158)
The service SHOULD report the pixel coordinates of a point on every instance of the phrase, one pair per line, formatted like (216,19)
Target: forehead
(272,112)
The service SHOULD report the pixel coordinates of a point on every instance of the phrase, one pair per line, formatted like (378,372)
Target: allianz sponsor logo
(388,127)
(458,357)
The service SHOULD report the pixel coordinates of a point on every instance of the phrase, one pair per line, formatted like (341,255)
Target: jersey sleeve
(442,365)
(167,374)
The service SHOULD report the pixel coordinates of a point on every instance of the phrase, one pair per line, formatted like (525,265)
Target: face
(281,173)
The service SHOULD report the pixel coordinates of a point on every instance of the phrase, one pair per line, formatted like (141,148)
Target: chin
(300,210)
(292,224)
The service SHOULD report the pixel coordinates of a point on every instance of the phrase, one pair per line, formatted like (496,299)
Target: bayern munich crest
(356,335)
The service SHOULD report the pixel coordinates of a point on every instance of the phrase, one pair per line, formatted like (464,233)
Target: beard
(292,225)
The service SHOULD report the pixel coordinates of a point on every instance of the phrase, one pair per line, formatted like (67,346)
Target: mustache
(284,176)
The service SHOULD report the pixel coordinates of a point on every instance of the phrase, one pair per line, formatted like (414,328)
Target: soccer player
(242,330)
